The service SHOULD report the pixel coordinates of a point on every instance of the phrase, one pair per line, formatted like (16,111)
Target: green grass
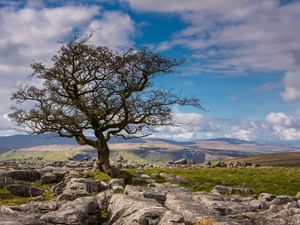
(274,180)
(97,175)
(6,198)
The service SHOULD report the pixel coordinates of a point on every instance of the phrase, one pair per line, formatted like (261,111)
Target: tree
(92,88)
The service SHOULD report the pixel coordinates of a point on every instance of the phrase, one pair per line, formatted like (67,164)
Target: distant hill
(154,150)
(232,141)
(27,141)
(274,159)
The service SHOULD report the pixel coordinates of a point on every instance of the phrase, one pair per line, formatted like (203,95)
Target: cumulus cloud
(275,126)
(283,126)
(115,30)
(291,82)
(234,37)
(32,31)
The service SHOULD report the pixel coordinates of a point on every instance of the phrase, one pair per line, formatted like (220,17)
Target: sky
(242,57)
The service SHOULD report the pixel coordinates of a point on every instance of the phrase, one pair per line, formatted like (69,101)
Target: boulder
(24,190)
(223,190)
(128,210)
(266,197)
(23,175)
(82,211)
(180,162)
(103,199)
(117,182)
(58,188)
(220,164)
(39,207)
(171,218)
(283,199)
(143,192)
(50,178)
(79,187)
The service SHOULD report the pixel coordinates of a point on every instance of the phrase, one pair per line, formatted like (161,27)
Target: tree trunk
(103,160)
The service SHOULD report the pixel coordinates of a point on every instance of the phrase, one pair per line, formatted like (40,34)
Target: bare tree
(93,88)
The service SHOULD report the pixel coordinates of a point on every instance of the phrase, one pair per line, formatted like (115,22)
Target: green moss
(119,191)
(6,198)
(97,175)
(48,195)
(274,180)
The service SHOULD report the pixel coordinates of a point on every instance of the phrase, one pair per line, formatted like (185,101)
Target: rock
(180,162)
(4,181)
(50,178)
(39,207)
(266,197)
(220,164)
(223,190)
(143,192)
(290,205)
(103,199)
(120,158)
(171,218)
(128,210)
(298,195)
(282,199)
(79,187)
(117,182)
(82,211)
(24,190)
(23,175)
(184,204)
(58,188)
(118,189)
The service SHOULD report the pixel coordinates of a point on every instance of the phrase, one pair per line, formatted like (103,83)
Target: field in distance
(273,159)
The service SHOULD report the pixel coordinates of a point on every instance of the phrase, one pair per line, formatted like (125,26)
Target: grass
(96,175)
(291,159)
(206,221)
(6,198)
(274,180)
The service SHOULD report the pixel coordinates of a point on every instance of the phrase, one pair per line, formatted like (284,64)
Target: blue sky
(242,58)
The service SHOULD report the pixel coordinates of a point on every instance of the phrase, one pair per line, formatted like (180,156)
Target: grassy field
(274,159)
(274,180)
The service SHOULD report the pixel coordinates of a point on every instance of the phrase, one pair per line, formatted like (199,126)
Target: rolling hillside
(274,159)
(152,150)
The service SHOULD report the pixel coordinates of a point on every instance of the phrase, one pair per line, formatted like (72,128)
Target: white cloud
(237,36)
(34,32)
(280,119)
(114,30)
(275,126)
(283,126)
(291,82)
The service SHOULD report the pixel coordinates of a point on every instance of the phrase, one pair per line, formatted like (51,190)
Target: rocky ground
(77,200)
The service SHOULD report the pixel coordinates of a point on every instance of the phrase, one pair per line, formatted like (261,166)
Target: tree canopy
(93,88)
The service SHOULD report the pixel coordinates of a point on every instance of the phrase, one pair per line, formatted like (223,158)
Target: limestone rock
(117,182)
(223,190)
(24,190)
(142,192)
(82,211)
(50,178)
(24,175)
(171,218)
(58,188)
(79,187)
(128,210)
(103,199)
